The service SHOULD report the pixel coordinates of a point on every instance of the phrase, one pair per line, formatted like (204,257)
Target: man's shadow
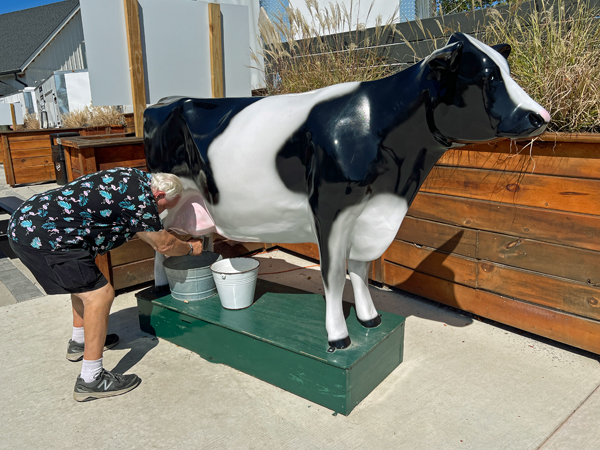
(126,324)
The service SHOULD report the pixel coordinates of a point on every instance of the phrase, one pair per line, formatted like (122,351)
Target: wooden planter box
(27,155)
(90,154)
(510,233)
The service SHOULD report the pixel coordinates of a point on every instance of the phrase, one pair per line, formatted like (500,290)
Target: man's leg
(76,345)
(97,305)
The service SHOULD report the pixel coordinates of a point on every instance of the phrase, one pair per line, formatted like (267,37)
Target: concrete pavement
(464,384)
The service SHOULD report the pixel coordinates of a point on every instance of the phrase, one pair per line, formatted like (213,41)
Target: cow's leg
(332,239)
(334,278)
(365,309)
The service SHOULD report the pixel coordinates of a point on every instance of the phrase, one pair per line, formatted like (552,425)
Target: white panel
(106,51)
(6,116)
(78,90)
(256,74)
(236,51)
(19,113)
(177,49)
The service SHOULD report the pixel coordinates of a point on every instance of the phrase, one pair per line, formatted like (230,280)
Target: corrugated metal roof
(22,32)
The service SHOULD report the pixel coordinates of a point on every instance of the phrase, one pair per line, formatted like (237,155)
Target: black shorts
(60,272)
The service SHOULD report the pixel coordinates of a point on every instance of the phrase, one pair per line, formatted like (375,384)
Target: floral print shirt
(96,212)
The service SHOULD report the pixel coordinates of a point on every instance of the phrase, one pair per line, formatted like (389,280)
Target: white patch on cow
(380,220)
(254,204)
(516,93)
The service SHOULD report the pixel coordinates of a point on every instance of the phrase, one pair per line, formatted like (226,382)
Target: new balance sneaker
(75,349)
(105,384)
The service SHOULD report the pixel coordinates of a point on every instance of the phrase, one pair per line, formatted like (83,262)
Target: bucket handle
(223,276)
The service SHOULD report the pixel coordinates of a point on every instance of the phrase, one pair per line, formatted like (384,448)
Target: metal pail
(236,281)
(190,277)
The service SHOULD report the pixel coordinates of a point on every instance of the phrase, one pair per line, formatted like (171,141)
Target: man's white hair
(168,183)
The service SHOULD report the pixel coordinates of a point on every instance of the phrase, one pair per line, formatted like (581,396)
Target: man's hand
(167,244)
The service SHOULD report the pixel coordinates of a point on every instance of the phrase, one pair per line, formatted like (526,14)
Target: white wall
(64,52)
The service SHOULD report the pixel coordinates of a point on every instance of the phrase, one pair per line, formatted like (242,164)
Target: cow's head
(477,99)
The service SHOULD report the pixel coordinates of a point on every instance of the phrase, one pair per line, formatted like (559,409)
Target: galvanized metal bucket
(190,277)
(235,279)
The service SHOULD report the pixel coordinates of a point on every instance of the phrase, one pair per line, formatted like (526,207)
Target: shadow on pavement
(125,323)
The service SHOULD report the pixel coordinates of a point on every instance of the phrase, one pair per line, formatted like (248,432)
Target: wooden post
(13,116)
(136,64)
(9,170)
(216,50)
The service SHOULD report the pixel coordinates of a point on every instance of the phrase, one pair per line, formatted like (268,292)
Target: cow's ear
(447,58)
(503,49)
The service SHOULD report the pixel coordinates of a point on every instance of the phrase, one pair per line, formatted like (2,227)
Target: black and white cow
(338,166)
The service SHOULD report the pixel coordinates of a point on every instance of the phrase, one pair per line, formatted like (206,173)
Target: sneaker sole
(76,357)
(88,396)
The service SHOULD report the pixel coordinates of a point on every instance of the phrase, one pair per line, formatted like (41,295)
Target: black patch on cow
(177,135)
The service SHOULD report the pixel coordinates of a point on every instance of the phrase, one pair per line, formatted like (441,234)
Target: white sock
(89,369)
(78,335)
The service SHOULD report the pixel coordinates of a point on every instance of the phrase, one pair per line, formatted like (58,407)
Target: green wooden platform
(281,339)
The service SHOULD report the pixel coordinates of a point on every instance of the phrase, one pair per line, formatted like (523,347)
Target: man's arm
(167,244)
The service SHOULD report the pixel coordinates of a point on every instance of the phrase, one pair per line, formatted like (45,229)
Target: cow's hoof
(371,323)
(339,344)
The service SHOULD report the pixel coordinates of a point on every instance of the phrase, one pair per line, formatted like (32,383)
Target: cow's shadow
(428,308)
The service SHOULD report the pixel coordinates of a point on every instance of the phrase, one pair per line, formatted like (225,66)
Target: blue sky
(7,6)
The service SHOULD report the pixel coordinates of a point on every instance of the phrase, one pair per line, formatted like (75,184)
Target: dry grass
(556,59)
(93,116)
(303,54)
(30,122)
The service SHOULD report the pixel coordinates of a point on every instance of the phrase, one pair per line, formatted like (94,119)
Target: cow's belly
(376,226)
(263,218)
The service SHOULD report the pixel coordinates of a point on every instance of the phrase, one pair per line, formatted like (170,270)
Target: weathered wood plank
(308,249)
(32,144)
(33,161)
(563,194)
(559,293)
(216,50)
(566,262)
(441,264)
(134,250)
(22,155)
(9,173)
(462,241)
(577,230)
(132,274)
(136,164)
(523,162)
(119,153)
(563,327)
(34,174)
(136,63)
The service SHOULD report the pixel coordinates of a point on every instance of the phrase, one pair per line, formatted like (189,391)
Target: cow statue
(338,166)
